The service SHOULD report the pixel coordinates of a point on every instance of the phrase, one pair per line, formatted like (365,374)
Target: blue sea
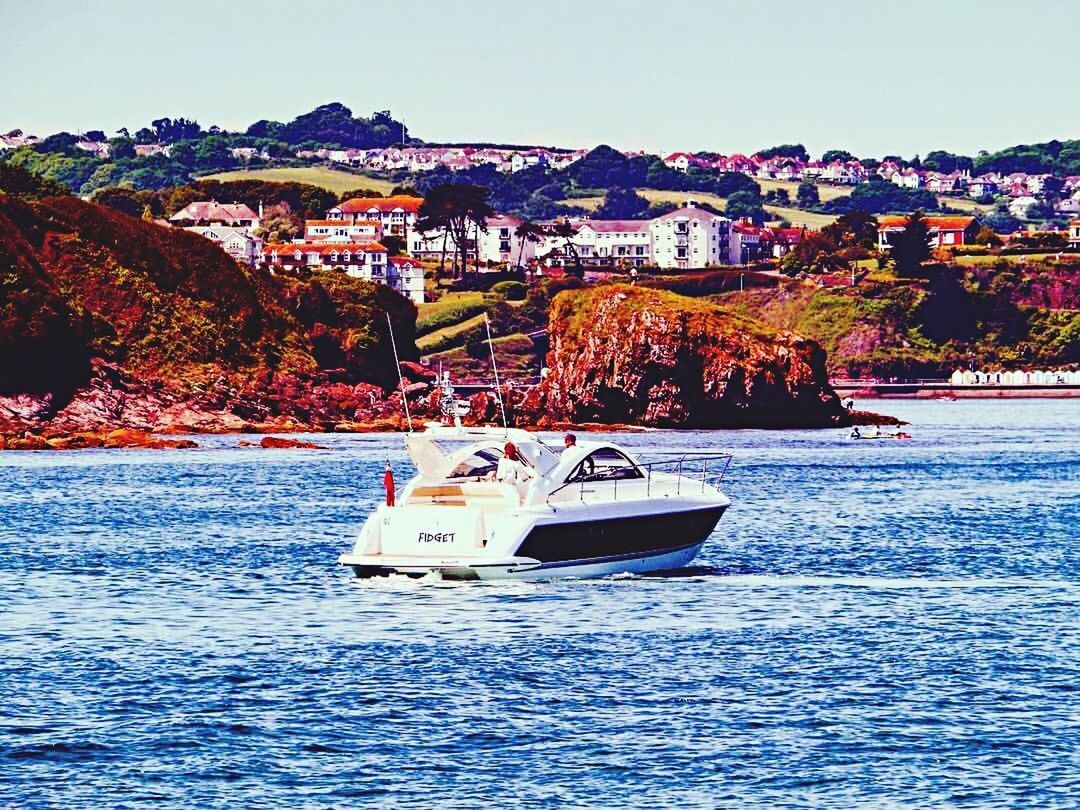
(873,624)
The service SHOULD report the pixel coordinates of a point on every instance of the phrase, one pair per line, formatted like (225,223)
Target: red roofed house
(784,239)
(679,161)
(233,215)
(336,230)
(748,242)
(397,214)
(945,231)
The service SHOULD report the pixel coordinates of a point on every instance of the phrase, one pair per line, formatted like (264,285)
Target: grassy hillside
(515,354)
(80,282)
(989,315)
(333,180)
(793,215)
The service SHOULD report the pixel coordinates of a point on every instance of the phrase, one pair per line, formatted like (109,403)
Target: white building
(397,214)
(211,212)
(1019,206)
(337,230)
(691,237)
(366,261)
(498,244)
(239,243)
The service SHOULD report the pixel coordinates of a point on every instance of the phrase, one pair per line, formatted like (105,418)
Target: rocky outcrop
(624,354)
(107,321)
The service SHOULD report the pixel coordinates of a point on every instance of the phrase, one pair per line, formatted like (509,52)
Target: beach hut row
(966,377)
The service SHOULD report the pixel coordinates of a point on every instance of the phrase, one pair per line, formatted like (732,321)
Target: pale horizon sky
(875,78)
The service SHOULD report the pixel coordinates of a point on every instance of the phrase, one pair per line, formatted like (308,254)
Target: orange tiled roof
(359,205)
(340,223)
(325,247)
(936,223)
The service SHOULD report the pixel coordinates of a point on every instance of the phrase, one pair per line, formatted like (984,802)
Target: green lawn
(588,203)
(826,191)
(333,180)
(448,301)
(515,355)
(1017,258)
(435,338)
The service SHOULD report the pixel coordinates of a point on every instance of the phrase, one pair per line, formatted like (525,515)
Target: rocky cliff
(108,321)
(638,356)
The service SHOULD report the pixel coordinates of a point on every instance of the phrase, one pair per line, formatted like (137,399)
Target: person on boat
(877,431)
(855,434)
(569,440)
(512,469)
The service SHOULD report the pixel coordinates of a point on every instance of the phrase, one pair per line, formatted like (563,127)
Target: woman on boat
(512,469)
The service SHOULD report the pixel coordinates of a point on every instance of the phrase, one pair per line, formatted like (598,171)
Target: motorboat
(590,509)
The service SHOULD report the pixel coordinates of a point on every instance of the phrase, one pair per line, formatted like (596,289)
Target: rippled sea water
(873,624)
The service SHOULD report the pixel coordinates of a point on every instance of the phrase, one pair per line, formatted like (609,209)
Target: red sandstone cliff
(632,355)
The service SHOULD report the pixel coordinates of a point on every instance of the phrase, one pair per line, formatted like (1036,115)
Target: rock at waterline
(648,357)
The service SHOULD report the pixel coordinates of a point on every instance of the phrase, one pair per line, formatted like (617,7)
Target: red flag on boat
(388,482)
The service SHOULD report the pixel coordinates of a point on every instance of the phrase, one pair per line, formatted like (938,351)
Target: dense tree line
(193,150)
(880,197)
(542,193)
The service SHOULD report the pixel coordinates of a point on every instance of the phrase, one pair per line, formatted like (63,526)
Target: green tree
(565,230)
(19,182)
(121,148)
(807,196)
(911,246)
(853,229)
(833,155)
(745,205)
(792,150)
(460,209)
(623,203)
(527,232)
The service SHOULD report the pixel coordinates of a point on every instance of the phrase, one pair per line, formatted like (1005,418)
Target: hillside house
(1018,206)
(1074,233)
(982,186)
(680,161)
(239,243)
(368,261)
(335,230)
(397,214)
(944,231)
(232,215)
(907,178)
(690,237)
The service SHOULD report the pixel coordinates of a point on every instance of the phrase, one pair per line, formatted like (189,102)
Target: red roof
(360,205)
(339,223)
(616,225)
(325,247)
(936,223)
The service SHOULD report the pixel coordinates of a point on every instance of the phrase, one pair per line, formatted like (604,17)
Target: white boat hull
(523,568)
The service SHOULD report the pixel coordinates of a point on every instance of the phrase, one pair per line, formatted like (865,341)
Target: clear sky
(872,77)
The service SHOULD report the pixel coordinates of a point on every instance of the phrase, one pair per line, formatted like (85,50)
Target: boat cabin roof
(448,453)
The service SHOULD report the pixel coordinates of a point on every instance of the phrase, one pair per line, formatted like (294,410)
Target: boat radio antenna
(400,376)
(495,369)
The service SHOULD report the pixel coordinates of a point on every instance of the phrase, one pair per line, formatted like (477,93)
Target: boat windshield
(478,464)
(605,464)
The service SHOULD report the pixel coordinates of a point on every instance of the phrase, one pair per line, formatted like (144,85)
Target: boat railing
(683,474)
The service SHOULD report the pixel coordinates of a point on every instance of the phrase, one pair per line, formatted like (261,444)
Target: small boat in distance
(590,510)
